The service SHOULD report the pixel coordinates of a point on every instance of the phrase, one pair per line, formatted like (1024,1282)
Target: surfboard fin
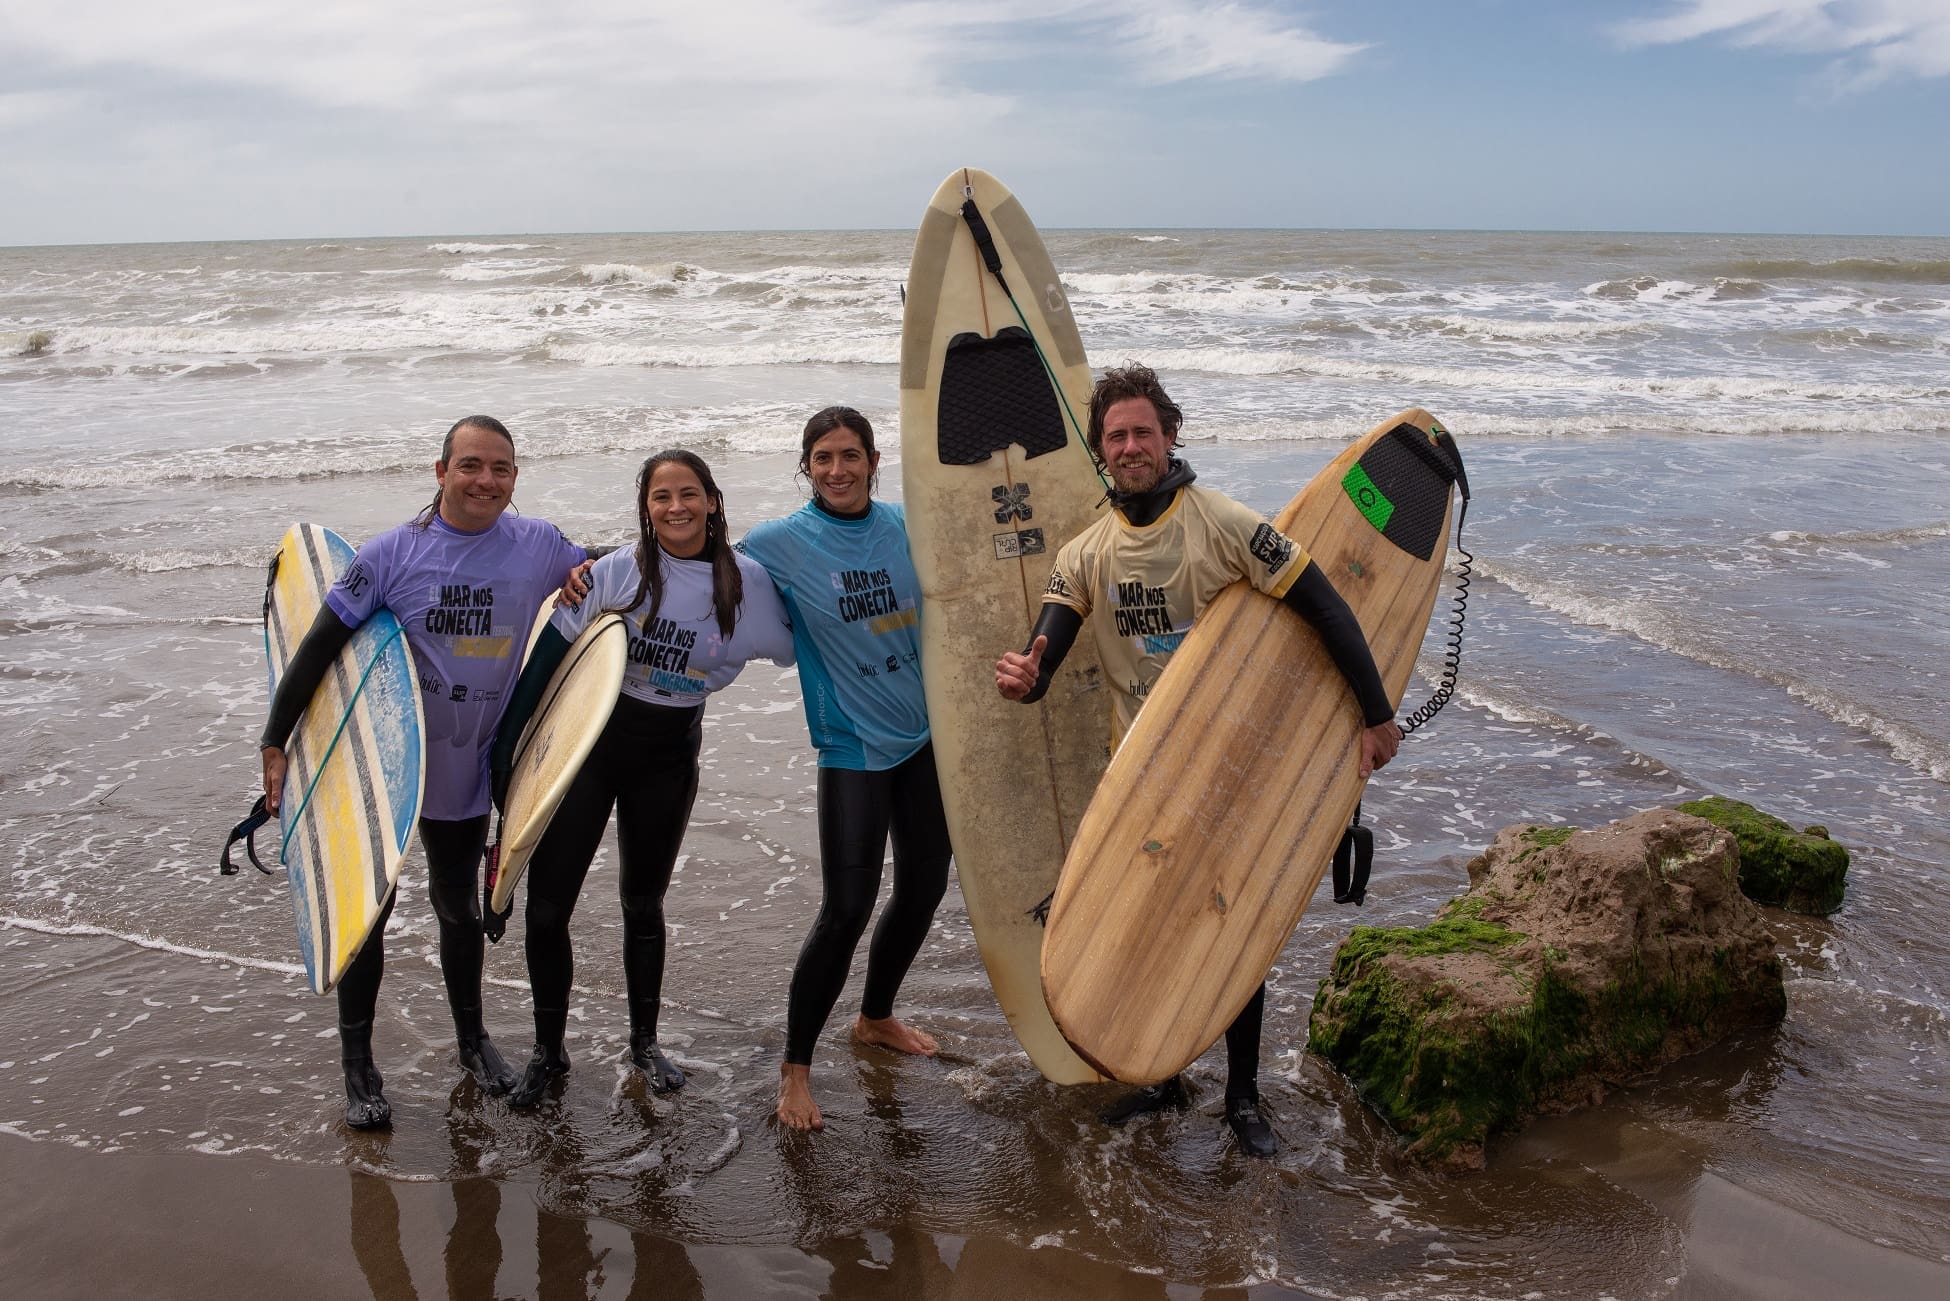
(246,831)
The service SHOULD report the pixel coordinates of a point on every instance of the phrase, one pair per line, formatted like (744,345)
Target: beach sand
(84,1224)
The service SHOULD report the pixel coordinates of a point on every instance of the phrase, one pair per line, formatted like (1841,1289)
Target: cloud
(1878,40)
(462,57)
(27,107)
(245,117)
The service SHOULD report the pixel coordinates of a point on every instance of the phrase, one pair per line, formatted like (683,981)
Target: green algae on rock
(1803,872)
(1576,961)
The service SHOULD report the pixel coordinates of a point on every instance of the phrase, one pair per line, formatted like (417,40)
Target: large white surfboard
(995,392)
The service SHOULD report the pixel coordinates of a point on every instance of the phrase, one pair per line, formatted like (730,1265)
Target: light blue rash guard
(855,605)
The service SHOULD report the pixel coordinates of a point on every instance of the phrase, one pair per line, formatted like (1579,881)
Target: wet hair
(727,582)
(824,422)
(1132,381)
(489,423)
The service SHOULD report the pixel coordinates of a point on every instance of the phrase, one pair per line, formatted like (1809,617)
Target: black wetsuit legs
(857,812)
(453,852)
(1242,1048)
(644,767)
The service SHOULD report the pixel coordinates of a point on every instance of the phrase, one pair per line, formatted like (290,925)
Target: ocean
(1711,530)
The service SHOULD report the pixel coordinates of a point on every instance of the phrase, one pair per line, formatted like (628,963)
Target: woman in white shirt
(696,611)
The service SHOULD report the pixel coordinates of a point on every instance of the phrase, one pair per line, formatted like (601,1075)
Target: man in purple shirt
(464,580)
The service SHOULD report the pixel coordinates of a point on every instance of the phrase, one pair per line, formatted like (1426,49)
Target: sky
(130,120)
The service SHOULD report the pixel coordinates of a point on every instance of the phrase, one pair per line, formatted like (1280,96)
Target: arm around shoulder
(763,618)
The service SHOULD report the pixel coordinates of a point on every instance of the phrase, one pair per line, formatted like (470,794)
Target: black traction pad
(995,392)
(1413,479)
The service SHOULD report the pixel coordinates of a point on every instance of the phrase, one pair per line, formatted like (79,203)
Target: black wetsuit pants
(453,851)
(857,813)
(1242,1048)
(644,767)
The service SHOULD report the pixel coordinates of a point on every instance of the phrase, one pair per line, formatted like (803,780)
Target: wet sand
(81,1224)
(1666,1189)
(86,1224)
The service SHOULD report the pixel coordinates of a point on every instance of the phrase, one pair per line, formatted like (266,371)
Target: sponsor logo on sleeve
(1270,547)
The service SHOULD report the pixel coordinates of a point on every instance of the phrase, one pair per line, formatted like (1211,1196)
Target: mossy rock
(1803,871)
(1579,959)
(1449,1073)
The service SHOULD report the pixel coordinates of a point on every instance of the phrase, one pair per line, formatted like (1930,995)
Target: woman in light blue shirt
(842,569)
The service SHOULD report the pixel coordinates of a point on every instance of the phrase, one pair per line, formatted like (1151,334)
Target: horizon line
(891,230)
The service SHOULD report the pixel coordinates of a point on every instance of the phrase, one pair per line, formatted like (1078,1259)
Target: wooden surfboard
(995,392)
(568,720)
(356,762)
(1222,807)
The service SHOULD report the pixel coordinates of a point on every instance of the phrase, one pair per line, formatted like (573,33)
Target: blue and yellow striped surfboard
(357,760)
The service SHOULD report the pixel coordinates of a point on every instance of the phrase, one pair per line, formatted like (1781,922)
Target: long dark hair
(824,422)
(489,423)
(727,582)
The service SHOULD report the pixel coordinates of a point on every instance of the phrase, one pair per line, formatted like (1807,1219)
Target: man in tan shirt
(1145,571)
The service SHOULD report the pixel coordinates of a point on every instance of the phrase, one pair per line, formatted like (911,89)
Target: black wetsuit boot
(478,1055)
(1170,1095)
(549,1061)
(662,1074)
(365,1104)
(1243,1117)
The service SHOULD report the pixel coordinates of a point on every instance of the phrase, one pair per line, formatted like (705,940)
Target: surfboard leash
(1452,656)
(1354,862)
(494,924)
(992,259)
(345,718)
(1354,855)
(246,830)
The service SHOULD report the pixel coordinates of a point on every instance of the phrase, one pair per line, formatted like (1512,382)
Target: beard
(1134,479)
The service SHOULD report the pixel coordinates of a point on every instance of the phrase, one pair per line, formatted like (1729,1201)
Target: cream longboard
(356,763)
(574,709)
(996,477)
(1222,807)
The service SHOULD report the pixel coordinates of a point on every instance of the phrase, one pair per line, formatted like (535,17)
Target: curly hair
(1132,381)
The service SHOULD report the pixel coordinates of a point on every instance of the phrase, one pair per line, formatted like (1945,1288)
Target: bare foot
(797,1110)
(892,1033)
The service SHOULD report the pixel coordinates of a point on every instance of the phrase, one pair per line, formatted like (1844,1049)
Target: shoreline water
(394,1217)
(1710,540)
